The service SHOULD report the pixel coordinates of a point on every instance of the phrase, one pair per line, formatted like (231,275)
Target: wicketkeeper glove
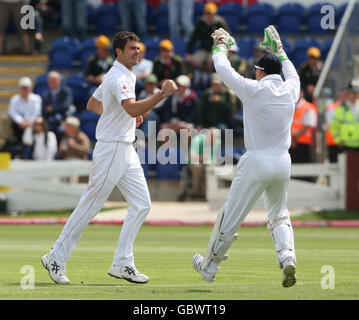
(222,41)
(273,43)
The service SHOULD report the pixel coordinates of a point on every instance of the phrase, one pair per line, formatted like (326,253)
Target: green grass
(165,255)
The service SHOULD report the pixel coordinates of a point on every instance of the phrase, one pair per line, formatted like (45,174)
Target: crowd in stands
(49,125)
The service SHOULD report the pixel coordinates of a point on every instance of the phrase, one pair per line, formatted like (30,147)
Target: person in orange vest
(333,148)
(303,131)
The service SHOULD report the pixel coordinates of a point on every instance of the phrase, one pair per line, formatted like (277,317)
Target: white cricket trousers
(259,172)
(114,164)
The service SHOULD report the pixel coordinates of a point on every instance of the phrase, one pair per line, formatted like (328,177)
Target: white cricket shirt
(115,124)
(268,104)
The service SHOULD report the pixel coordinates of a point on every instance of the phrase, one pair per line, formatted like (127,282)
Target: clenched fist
(169,87)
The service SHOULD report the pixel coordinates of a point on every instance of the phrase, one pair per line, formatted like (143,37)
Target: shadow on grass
(199,291)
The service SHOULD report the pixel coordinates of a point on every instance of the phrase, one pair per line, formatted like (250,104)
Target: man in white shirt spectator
(43,143)
(24,108)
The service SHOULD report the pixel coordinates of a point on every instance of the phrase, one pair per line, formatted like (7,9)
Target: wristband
(165,95)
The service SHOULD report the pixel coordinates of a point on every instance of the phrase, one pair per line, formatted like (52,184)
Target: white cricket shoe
(128,273)
(289,278)
(56,271)
(209,275)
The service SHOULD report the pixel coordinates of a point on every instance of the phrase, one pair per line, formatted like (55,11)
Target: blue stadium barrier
(289,18)
(259,16)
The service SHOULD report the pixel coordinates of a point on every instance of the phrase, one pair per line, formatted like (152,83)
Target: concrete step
(6,95)
(24,61)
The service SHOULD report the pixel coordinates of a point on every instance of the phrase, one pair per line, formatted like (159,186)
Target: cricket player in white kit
(115,163)
(268,106)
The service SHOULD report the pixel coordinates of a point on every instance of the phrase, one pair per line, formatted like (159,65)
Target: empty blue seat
(87,49)
(162,26)
(63,52)
(246,46)
(152,49)
(79,87)
(88,122)
(197,10)
(326,48)
(41,85)
(287,46)
(300,47)
(289,18)
(106,18)
(233,13)
(314,18)
(259,16)
(180,46)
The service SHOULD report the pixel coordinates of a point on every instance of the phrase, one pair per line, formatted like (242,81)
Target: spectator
(204,150)
(137,9)
(309,72)
(143,69)
(50,12)
(303,128)
(98,64)
(167,65)
(180,15)
(179,111)
(39,25)
(24,108)
(258,52)
(150,89)
(215,106)
(204,27)
(345,123)
(333,148)
(74,18)
(57,103)
(8,9)
(42,142)
(239,64)
(75,144)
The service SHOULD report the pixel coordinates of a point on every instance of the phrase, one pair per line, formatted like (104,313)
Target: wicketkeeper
(268,106)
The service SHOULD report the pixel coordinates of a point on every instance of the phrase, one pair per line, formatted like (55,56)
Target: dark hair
(269,63)
(121,38)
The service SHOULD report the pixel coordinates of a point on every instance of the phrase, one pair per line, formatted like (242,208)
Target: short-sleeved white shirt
(115,124)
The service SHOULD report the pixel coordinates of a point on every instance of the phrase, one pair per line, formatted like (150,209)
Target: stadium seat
(289,18)
(87,49)
(80,89)
(180,46)
(232,12)
(259,16)
(170,171)
(314,18)
(63,52)
(162,26)
(300,47)
(246,46)
(286,45)
(339,13)
(150,15)
(106,17)
(41,85)
(197,10)
(152,49)
(325,48)
(91,17)
(88,122)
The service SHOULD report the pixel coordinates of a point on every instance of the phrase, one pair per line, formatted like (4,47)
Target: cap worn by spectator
(103,42)
(314,52)
(269,63)
(215,78)
(183,80)
(142,47)
(73,122)
(166,44)
(353,86)
(25,82)
(152,78)
(211,8)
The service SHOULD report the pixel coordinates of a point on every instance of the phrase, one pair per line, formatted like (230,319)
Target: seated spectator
(98,64)
(75,144)
(57,103)
(167,65)
(74,18)
(215,106)
(239,64)
(152,115)
(309,72)
(204,150)
(12,9)
(204,27)
(24,108)
(143,69)
(179,111)
(41,141)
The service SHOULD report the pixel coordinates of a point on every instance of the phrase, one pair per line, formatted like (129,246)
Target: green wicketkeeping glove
(273,44)
(222,41)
